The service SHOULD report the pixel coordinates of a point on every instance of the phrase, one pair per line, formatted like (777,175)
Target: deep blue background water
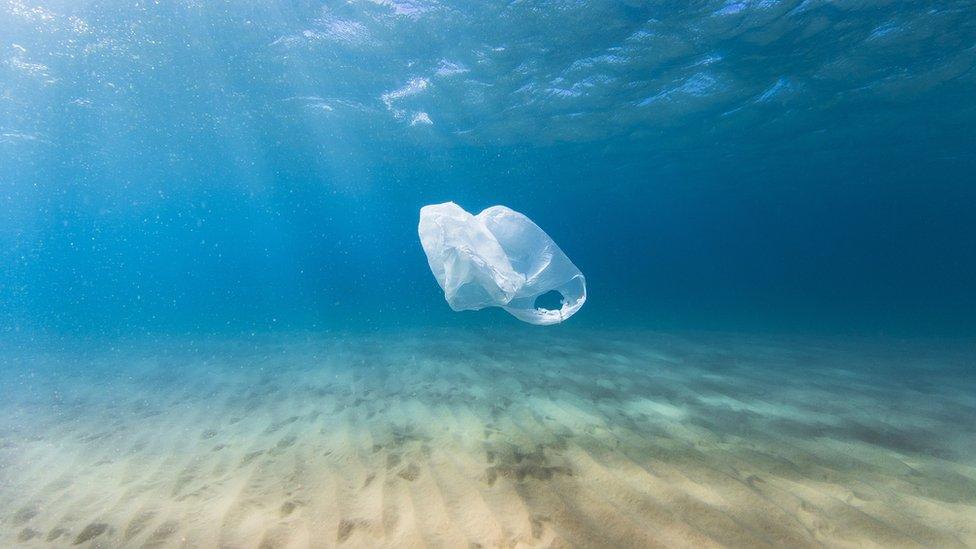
(774,166)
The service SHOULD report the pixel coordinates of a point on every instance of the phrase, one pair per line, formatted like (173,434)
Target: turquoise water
(799,166)
(218,327)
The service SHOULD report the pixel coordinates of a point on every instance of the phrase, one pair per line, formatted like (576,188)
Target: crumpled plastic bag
(498,258)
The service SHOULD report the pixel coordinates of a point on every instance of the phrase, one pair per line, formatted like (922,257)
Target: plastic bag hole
(549,301)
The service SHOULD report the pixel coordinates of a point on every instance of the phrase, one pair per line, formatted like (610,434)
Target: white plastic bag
(498,258)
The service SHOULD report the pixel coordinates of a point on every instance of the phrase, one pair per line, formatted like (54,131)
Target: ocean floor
(526,438)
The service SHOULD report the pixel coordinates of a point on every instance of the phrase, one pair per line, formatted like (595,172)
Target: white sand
(458,439)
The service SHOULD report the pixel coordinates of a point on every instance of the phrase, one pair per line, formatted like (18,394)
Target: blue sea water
(777,165)
(192,191)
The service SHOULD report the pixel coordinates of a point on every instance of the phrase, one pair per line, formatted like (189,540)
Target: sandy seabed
(528,438)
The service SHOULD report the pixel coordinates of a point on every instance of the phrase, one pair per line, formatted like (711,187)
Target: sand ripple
(460,439)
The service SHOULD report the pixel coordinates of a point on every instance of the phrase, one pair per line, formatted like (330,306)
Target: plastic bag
(498,258)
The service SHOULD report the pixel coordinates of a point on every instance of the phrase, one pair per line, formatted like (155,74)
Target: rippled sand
(529,438)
